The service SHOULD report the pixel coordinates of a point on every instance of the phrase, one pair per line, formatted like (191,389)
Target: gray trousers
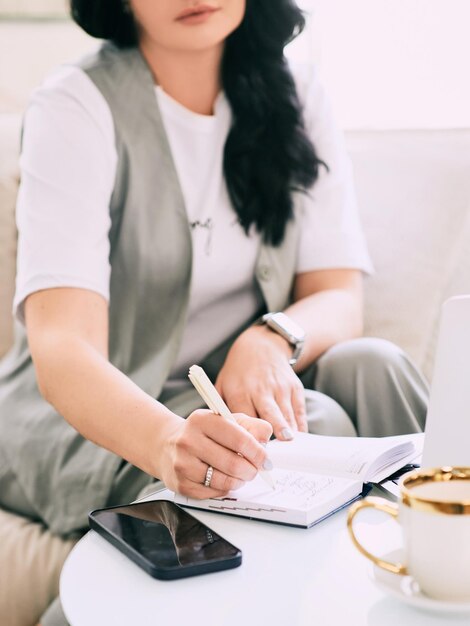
(366,387)
(369,385)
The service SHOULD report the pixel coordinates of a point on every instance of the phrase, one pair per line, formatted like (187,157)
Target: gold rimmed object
(415,502)
(435,505)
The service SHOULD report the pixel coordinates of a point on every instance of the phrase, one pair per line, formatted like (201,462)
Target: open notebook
(315,476)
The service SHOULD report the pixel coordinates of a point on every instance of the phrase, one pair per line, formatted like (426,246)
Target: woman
(176,186)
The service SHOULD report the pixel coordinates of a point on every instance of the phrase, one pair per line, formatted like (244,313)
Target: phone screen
(165,534)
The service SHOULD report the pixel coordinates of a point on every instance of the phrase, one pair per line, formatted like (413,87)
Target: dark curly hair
(268,154)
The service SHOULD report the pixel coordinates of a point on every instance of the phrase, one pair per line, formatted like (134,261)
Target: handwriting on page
(293,490)
(301,489)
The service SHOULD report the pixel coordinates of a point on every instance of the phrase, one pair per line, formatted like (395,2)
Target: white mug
(434,514)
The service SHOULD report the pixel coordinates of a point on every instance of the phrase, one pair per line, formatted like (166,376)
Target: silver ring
(208,478)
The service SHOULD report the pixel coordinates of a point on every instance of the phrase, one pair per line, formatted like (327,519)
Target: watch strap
(296,341)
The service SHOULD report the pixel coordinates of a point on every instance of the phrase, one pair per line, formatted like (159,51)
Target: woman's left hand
(258,380)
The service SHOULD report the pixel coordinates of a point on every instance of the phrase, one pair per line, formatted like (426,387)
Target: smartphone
(164,540)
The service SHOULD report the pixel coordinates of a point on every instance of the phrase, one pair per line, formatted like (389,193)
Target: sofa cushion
(414,195)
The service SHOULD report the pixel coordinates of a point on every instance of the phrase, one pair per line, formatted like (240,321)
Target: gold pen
(214,401)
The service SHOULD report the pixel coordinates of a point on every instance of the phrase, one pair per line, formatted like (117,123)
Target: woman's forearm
(68,338)
(327,317)
(103,404)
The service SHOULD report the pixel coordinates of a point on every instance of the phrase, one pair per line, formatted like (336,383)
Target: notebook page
(348,457)
(298,498)
(292,490)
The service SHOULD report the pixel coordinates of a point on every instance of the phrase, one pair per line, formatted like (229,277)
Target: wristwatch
(283,325)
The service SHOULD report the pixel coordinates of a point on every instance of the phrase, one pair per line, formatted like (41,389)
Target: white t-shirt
(68,165)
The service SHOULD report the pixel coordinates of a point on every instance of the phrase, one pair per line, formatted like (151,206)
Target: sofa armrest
(10,125)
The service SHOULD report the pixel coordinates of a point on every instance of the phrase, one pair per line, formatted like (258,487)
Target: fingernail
(287,433)
(268,464)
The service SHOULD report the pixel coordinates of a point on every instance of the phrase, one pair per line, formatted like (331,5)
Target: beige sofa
(414,196)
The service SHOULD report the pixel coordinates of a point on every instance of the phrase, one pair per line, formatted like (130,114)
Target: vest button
(264,272)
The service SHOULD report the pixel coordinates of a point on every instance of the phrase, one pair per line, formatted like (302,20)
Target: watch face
(286,327)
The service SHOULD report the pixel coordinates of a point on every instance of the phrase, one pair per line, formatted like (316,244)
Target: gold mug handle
(381,505)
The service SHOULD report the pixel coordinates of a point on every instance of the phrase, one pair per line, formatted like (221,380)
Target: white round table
(289,577)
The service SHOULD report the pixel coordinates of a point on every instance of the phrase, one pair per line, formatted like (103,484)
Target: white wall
(28,50)
(33,7)
(395,63)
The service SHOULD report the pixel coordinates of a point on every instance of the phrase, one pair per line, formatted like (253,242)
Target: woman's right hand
(235,450)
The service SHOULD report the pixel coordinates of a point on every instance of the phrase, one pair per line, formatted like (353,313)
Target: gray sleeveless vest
(62,474)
